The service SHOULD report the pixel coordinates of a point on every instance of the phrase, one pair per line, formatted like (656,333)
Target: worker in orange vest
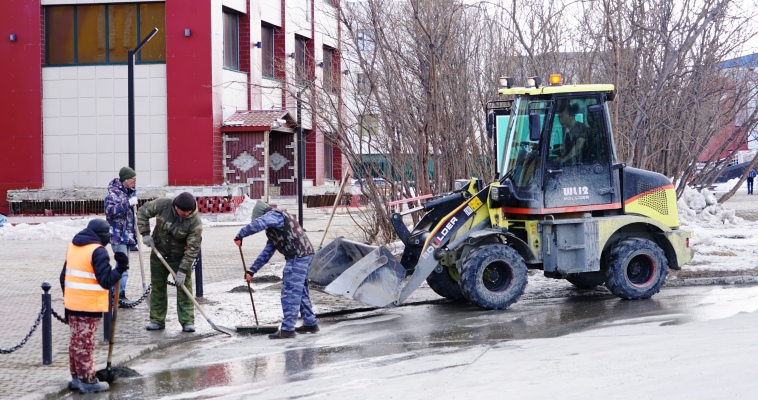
(86,280)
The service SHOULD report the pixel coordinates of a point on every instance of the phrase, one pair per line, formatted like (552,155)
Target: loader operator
(285,235)
(86,278)
(575,134)
(177,236)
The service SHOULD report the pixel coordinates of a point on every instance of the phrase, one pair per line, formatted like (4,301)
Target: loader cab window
(521,155)
(577,134)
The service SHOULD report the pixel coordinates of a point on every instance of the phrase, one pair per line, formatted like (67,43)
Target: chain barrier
(129,304)
(58,317)
(28,335)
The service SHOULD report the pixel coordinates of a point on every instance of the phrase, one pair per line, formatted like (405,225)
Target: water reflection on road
(349,346)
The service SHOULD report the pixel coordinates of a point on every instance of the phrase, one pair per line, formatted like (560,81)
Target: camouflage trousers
(159,293)
(81,347)
(295,296)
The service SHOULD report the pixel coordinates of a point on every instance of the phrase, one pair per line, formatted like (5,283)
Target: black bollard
(199,274)
(107,318)
(47,326)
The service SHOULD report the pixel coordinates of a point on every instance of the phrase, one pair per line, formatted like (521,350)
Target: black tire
(492,276)
(444,284)
(637,269)
(587,280)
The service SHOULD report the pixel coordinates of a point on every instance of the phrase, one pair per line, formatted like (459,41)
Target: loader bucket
(374,279)
(334,259)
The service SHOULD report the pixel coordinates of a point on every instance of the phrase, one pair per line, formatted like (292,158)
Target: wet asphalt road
(254,366)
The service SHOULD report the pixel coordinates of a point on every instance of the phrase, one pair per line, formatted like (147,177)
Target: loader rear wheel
(587,280)
(492,276)
(444,284)
(637,269)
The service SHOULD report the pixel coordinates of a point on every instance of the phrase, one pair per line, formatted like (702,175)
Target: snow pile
(702,209)
(243,213)
(46,231)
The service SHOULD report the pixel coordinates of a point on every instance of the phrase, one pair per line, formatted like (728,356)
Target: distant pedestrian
(177,236)
(119,212)
(750,178)
(285,235)
(86,280)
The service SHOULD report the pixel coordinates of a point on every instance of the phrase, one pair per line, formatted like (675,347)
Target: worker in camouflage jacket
(177,236)
(285,235)
(119,206)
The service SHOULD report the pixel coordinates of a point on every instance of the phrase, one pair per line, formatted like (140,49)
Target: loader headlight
(534,82)
(505,82)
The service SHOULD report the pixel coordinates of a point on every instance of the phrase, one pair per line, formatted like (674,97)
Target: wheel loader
(560,202)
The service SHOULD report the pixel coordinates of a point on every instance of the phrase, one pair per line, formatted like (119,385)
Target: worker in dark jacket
(177,236)
(86,280)
(285,235)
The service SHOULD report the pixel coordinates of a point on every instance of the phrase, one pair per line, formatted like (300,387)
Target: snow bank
(701,209)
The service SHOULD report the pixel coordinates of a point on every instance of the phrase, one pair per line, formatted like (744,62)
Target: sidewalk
(26,264)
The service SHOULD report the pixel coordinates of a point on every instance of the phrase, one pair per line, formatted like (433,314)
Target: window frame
(329,81)
(268,54)
(231,52)
(301,61)
(106,18)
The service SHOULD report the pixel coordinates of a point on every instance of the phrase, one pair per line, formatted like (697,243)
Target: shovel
(107,374)
(139,253)
(187,292)
(257,328)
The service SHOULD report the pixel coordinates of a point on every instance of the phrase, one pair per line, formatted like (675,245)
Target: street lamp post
(300,153)
(131,55)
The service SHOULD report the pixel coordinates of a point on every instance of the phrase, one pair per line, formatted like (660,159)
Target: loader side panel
(576,245)
(650,194)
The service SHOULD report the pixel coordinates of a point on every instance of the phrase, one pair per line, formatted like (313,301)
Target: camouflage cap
(260,209)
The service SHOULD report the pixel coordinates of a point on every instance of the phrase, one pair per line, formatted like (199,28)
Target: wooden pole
(334,207)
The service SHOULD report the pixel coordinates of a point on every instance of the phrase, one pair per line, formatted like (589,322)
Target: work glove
(249,276)
(238,241)
(180,277)
(147,240)
(122,262)
(132,201)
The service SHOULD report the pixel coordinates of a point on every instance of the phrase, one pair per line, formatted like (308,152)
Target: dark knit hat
(101,229)
(185,202)
(126,173)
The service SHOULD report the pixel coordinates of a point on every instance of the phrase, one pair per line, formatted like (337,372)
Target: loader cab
(558,154)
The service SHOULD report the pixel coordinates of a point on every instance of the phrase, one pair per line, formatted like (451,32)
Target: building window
(104,34)
(330,85)
(307,10)
(369,125)
(300,66)
(365,43)
(231,41)
(363,83)
(328,154)
(267,42)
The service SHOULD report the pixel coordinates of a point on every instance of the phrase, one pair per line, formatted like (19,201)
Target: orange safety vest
(83,292)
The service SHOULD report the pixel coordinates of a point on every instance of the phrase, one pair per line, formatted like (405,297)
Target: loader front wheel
(444,284)
(492,276)
(637,269)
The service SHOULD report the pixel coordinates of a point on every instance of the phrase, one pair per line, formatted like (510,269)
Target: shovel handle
(186,291)
(116,293)
(139,253)
(249,289)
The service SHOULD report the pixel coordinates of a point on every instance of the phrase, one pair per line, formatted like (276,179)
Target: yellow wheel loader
(561,203)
